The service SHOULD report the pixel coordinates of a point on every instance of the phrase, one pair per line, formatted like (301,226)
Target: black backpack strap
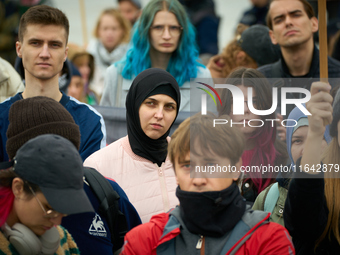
(108,207)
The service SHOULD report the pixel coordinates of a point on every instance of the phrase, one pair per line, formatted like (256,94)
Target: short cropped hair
(307,6)
(222,140)
(43,15)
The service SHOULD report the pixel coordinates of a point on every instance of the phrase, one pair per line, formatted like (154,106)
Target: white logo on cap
(97,227)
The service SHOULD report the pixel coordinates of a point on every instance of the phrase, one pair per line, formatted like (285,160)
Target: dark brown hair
(247,77)
(43,15)
(307,7)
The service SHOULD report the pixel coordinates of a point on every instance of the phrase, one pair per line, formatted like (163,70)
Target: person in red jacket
(212,217)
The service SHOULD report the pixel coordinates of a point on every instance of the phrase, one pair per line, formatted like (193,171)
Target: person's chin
(39,231)
(167,49)
(44,75)
(154,134)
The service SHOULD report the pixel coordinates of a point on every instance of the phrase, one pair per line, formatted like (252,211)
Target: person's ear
(272,37)
(18,187)
(18,49)
(66,51)
(315,24)
(238,169)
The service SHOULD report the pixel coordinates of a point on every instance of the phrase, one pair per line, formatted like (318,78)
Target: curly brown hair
(231,51)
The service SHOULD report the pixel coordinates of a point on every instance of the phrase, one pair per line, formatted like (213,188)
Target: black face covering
(149,82)
(212,213)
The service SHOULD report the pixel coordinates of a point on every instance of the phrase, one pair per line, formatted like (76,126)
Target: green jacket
(277,213)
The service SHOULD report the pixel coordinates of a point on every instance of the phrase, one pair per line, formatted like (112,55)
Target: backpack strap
(264,197)
(271,199)
(108,207)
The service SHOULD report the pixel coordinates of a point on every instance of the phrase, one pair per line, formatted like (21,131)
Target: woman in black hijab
(138,162)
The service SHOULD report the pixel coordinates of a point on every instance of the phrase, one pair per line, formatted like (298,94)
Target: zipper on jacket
(199,243)
(164,190)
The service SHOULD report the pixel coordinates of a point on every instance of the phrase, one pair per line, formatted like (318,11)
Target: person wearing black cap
(250,48)
(44,184)
(312,207)
(138,162)
(36,116)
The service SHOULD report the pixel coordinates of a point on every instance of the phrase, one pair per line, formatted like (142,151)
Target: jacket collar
(313,70)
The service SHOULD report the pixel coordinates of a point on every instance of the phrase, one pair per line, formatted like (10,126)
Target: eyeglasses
(50,214)
(173,30)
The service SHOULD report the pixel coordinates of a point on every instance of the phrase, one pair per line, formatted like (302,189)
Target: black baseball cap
(53,163)
(256,42)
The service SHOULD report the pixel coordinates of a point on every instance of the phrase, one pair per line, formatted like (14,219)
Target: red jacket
(269,238)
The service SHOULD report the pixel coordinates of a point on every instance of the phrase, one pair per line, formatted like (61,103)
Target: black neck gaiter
(212,213)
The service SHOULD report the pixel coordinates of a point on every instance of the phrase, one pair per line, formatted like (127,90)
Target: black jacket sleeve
(306,211)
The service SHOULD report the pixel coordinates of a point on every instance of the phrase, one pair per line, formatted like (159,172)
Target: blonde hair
(332,192)
(78,55)
(123,22)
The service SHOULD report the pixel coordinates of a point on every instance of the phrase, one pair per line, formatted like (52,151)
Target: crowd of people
(212,187)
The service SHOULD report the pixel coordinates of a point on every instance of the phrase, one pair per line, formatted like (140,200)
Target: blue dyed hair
(184,60)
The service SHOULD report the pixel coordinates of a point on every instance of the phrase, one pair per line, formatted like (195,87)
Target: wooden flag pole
(83,21)
(323,40)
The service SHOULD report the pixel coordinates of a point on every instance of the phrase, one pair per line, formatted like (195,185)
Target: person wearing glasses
(163,37)
(38,188)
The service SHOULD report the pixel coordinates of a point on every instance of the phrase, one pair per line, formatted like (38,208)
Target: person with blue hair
(163,37)
(273,198)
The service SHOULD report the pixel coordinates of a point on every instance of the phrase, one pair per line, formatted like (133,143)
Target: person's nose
(57,220)
(159,113)
(45,53)
(288,21)
(246,108)
(166,33)
(199,181)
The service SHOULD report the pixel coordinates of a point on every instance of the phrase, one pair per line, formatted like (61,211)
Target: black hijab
(142,87)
